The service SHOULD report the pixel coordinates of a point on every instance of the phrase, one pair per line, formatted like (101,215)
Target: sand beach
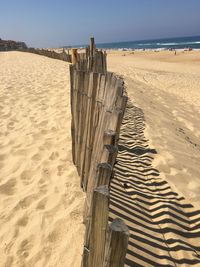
(167,88)
(41,202)
(40,197)
(158,157)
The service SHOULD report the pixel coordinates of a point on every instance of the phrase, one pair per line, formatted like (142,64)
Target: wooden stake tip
(104,165)
(118,225)
(103,189)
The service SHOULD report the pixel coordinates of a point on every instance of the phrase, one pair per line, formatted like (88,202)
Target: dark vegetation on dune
(10,45)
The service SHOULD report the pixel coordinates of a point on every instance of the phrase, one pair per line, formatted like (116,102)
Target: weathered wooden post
(116,244)
(92,46)
(91,54)
(98,230)
(74,56)
(104,171)
(109,154)
(109,137)
(97,105)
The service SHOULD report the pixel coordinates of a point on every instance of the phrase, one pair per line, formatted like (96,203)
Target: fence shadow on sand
(164,228)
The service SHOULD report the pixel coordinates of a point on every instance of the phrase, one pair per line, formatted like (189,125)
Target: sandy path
(40,197)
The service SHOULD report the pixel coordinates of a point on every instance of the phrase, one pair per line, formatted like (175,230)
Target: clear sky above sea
(53,23)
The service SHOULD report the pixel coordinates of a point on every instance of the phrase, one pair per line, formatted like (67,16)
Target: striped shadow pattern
(164,228)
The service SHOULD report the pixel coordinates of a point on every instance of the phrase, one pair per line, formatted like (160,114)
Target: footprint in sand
(42,185)
(54,155)
(8,188)
(41,204)
(26,202)
(23,221)
(10,125)
(61,169)
(24,248)
(26,177)
(44,132)
(47,219)
(45,173)
(43,123)
(36,157)
(10,244)
(42,181)
(2,157)
(47,251)
(53,129)
(47,145)
(53,236)
(75,214)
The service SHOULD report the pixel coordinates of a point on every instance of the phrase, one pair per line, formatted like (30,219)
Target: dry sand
(40,197)
(167,88)
(156,185)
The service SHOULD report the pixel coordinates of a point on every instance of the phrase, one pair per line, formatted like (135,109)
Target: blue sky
(51,23)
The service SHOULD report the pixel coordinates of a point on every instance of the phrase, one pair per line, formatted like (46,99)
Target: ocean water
(168,43)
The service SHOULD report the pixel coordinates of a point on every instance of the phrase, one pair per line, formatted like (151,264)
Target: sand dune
(40,197)
(164,227)
(157,180)
(166,87)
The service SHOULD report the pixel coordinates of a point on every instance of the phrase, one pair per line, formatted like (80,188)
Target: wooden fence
(50,53)
(98,103)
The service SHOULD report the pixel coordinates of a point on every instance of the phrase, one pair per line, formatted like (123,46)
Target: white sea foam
(144,44)
(167,44)
(181,43)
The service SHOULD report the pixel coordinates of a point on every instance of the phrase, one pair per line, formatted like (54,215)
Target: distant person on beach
(175,52)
